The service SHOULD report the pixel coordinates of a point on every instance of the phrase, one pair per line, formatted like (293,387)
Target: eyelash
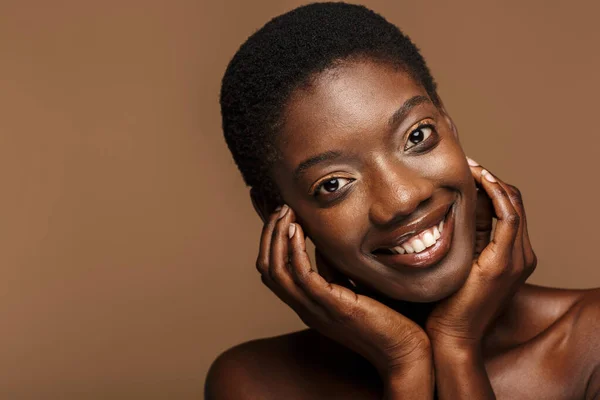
(316,191)
(317,188)
(421,127)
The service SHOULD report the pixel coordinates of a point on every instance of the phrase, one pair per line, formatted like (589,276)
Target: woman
(333,118)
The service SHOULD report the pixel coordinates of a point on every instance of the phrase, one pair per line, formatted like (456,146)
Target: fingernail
(489,177)
(277,209)
(292,230)
(283,211)
(472,163)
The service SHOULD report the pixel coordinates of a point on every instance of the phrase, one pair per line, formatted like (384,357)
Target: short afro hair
(284,55)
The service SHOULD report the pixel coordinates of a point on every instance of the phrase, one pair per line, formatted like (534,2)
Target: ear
(263,205)
(447,118)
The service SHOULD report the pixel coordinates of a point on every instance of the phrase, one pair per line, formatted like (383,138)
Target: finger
(530,257)
(278,254)
(514,197)
(528,254)
(278,276)
(476,172)
(330,295)
(484,212)
(485,207)
(518,260)
(262,261)
(279,271)
(498,254)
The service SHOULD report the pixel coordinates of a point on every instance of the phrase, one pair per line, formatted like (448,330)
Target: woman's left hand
(460,321)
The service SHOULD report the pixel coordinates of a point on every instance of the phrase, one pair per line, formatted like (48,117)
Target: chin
(428,289)
(432,282)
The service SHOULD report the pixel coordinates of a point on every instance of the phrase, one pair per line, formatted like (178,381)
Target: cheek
(459,176)
(336,232)
(449,167)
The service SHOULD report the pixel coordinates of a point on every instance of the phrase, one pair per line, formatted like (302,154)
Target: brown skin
(465,327)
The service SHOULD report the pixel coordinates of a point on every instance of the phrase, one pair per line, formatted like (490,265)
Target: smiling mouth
(416,243)
(423,249)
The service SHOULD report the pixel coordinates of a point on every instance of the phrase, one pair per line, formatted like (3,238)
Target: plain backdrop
(127,238)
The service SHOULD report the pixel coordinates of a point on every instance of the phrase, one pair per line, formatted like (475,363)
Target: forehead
(343,106)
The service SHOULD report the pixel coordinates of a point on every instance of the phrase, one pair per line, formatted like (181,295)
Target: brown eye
(418,135)
(331,185)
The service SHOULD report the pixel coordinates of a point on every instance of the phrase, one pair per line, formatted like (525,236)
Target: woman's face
(372,168)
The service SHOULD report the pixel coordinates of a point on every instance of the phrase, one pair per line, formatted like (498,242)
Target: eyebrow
(405,108)
(319,158)
(397,117)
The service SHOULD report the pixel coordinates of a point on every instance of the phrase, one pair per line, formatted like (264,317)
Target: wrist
(417,353)
(459,343)
(416,381)
(466,350)
(460,372)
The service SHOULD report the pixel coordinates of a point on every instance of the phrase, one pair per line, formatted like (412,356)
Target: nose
(396,192)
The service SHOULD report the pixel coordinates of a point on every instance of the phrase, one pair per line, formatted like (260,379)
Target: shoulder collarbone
(233,375)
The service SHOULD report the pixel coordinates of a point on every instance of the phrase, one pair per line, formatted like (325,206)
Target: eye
(420,134)
(331,185)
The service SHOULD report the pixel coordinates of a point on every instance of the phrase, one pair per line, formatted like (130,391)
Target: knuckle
(494,274)
(261,265)
(302,278)
(278,228)
(500,193)
(515,195)
(346,315)
(512,189)
(274,276)
(513,219)
(517,271)
(276,231)
(532,262)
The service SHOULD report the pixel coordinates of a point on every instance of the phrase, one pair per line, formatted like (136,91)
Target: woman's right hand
(391,342)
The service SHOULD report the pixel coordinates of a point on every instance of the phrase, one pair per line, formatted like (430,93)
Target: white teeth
(408,248)
(418,245)
(428,239)
(420,242)
(399,249)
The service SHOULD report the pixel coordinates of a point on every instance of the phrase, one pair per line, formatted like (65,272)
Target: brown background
(127,240)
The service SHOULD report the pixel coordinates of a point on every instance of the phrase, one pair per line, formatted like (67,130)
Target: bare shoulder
(302,364)
(582,316)
(573,313)
(253,369)
(542,307)
(584,319)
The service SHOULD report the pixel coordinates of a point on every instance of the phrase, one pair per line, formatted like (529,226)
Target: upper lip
(401,234)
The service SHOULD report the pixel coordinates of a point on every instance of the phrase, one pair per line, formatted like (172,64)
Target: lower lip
(428,257)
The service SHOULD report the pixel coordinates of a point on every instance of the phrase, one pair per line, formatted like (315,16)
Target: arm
(396,346)
(457,325)
(417,382)
(461,374)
